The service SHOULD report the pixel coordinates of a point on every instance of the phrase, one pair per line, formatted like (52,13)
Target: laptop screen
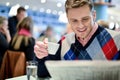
(84,70)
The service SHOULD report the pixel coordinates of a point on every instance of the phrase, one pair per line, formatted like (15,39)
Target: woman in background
(4,37)
(23,40)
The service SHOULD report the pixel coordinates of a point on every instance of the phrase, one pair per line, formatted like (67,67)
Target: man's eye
(74,20)
(85,19)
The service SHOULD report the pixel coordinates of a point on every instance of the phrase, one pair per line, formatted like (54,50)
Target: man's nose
(80,24)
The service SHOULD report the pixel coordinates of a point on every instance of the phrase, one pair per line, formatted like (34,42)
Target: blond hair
(2,19)
(78,3)
(27,24)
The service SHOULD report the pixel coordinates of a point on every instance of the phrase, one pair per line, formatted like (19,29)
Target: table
(25,78)
(20,78)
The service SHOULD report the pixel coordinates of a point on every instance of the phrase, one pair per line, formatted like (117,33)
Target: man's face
(81,20)
(21,15)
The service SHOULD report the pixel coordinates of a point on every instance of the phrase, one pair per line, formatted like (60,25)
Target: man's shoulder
(12,17)
(72,34)
(69,37)
(113,32)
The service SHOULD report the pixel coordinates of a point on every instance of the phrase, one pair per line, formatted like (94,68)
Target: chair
(13,64)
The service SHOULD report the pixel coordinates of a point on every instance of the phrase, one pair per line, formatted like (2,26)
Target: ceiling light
(60,12)
(7,3)
(42,9)
(59,4)
(48,11)
(43,1)
(54,12)
(26,6)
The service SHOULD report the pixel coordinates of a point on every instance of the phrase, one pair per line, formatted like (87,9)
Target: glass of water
(31,70)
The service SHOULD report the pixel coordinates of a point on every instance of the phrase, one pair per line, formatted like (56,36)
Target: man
(88,42)
(4,37)
(13,21)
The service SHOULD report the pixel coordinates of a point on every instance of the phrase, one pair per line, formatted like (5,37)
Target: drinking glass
(31,70)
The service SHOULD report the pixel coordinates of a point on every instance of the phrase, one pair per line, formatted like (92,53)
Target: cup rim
(31,62)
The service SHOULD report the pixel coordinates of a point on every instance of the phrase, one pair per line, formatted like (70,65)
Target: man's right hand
(41,49)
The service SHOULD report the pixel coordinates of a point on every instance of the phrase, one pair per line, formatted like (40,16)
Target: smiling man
(89,41)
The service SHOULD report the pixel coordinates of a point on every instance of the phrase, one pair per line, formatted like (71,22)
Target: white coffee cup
(52,48)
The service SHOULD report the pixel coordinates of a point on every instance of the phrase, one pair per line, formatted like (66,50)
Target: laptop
(84,70)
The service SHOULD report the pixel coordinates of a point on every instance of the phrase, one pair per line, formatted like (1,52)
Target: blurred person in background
(103,23)
(88,41)
(23,40)
(13,21)
(48,33)
(4,37)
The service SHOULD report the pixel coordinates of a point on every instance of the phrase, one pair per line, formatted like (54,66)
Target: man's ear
(94,15)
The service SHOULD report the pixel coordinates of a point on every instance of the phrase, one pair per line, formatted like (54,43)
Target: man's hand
(41,48)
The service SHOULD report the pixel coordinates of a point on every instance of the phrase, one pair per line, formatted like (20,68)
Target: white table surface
(20,78)
(24,78)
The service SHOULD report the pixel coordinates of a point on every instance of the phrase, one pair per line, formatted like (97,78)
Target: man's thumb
(45,40)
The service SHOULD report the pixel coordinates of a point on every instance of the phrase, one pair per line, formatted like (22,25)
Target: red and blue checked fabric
(107,44)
